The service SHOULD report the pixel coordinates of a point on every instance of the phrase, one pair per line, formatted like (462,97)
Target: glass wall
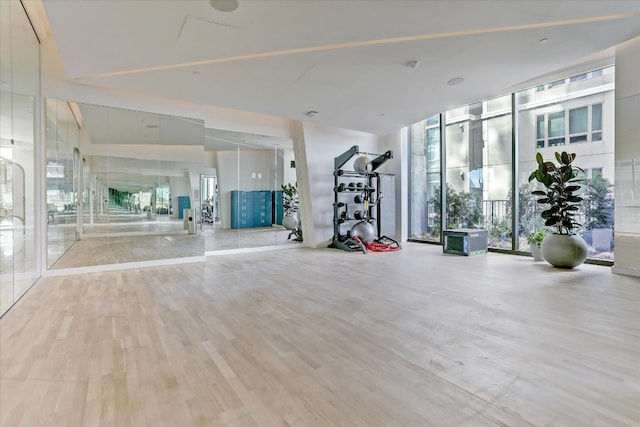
(478,159)
(425,178)
(575,114)
(19,94)
(63,167)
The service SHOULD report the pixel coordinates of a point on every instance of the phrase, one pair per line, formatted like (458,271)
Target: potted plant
(562,248)
(290,220)
(535,240)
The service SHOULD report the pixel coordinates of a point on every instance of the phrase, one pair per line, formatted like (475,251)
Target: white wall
(288,173)
(315,162)
(627,159)
(398,143)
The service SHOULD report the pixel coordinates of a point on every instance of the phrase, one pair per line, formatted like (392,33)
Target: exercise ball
(365,231)
(361,165)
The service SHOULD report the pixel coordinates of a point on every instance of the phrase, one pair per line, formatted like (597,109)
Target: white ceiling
(345,59)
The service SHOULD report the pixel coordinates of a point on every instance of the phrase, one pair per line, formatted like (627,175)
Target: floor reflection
(18,269)
(114,243)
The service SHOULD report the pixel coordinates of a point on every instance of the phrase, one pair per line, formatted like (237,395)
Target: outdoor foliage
(598,205)
(463,209)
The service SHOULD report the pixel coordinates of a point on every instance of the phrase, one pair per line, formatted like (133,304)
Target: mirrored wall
(144,186)
(246,194)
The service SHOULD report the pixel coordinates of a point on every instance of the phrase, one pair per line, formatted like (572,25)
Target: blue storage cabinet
(262,208)
(241,209)
(251,209)
(184,202)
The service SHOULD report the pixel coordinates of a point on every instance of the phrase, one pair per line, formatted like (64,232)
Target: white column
(627,159)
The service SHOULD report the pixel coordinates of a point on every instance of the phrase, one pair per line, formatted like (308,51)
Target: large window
(425,177)
(573,114)
(582,117)
(478,168)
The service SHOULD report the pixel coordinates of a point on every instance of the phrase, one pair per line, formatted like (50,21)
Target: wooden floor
(319,337)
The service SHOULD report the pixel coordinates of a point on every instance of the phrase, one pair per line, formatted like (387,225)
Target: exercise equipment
(365,231)
(362,165)
(354,233)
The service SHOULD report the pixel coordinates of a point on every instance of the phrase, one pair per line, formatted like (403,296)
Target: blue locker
(241,209)
(184,202)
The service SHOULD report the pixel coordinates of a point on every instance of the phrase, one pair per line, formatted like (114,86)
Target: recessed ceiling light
(455,81)
(413,64)
(195,73)
(312,114)
(224,5)
(544,40)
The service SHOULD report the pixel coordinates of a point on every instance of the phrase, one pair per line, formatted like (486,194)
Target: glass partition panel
(62,140)
(478,171)
(221,201)
(246,208)
(19,94)
(425,179)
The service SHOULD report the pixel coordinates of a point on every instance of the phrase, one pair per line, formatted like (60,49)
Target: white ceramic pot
(564,251)
(289,222)
(536,253)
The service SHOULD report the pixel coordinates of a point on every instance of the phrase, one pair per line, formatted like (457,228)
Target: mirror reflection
(242,203)
(129,171)
(126,186)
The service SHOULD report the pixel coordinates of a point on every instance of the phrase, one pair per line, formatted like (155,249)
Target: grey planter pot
(564,251)
(536,252)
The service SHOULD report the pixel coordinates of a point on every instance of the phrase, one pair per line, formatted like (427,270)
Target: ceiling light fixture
(224,5)
(455,81)
(312,114)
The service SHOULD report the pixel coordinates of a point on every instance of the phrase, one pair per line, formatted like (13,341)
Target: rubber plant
(562,182)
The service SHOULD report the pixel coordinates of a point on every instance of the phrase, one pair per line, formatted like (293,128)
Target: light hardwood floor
(320,337)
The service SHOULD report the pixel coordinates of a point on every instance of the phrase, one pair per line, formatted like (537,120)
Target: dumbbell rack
(360,184)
